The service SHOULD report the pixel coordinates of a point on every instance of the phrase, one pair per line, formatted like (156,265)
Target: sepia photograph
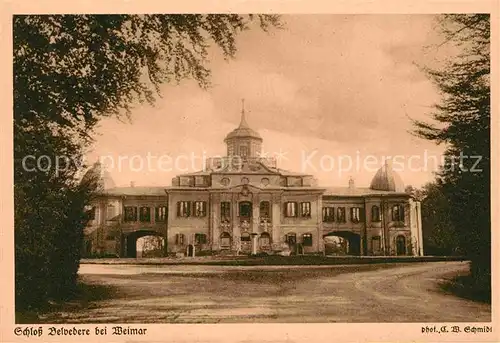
(265,168)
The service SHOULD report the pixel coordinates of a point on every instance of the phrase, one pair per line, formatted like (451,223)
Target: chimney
(351,183)
(132,183)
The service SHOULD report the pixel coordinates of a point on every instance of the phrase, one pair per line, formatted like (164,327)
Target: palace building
(244,204)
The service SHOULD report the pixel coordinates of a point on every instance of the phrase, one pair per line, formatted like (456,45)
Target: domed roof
(387,179)
(98,173)
(243,130)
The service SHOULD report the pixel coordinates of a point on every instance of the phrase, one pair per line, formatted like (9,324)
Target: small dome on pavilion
(386,179)
(101,175)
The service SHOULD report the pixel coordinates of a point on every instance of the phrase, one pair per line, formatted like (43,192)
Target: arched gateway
(131,241)
(342,243)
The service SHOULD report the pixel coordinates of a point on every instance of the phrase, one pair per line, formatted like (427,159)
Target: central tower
(243,141)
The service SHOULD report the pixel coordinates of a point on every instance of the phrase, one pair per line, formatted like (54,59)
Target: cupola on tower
(243,141)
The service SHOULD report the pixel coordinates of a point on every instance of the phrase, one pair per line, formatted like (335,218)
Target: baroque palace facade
(243,203)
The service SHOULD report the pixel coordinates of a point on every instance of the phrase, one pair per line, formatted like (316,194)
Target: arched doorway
(342,243)
(145,240)
(400,245)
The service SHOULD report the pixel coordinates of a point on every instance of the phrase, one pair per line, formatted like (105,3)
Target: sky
(325,93)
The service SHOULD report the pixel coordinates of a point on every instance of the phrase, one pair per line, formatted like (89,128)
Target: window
(264,211)
(341,214)
(161,213)
(307,240)
(200,238)
(225,211)
(355,214)
(376,244)
(375,213)
(245,209)
(398,213)
(290,209)
(305,209)
(145,215)
(200,208)
(328,214)
(110,212)
(225,240)
(130,214)
(265,240)
(183,209)
(179,239)
(291,238)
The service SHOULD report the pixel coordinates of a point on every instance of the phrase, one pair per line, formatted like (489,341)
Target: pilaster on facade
(235,223)
(215,220)
(255,220)
(276,219)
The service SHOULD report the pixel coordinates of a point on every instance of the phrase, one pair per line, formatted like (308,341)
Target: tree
(462,122)
(49,217)
(69,72)
(72,69)
(439,234)
(417,194)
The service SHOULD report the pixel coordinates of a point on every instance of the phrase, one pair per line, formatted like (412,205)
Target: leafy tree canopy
(70,70)
(462,121)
